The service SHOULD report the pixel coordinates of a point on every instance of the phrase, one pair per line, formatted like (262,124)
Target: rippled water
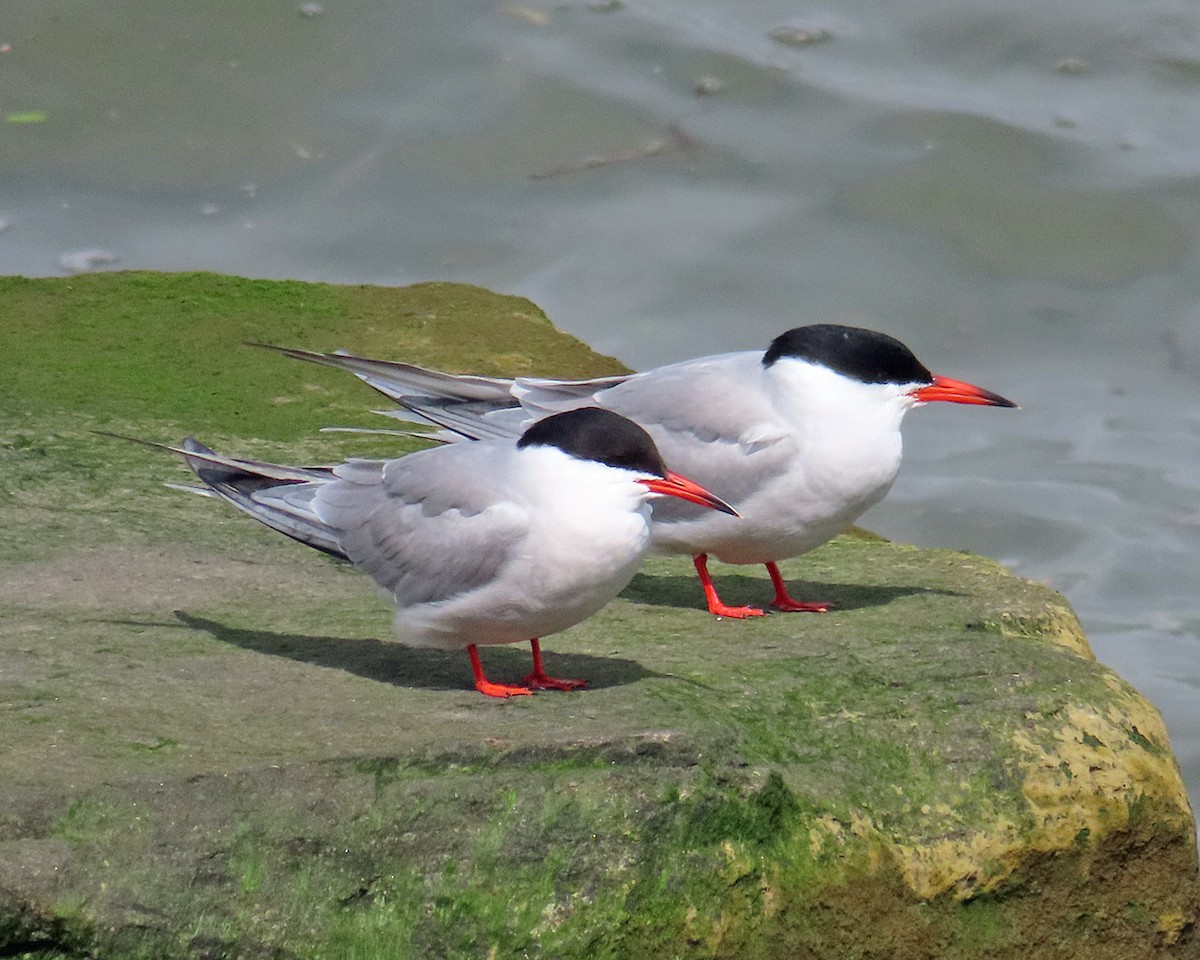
(1011,188)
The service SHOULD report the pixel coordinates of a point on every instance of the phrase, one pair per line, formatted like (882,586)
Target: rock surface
(211,748)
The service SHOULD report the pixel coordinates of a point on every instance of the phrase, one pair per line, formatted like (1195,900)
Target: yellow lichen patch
(860,824)
(1067,631)
(706,930)
(826,828)
(1171,925)
(689,918)
(1056,622)
(1097,765)
(1080,784)
(1080,780)
(770,898)
(870,857)
(961,865)
(738,865)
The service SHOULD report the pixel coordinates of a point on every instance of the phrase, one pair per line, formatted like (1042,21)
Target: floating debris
(3,224)
(605,6)
(81,261)
(311,9)
(27,116)
(677,140)
(530,15)
(1071,66)
(708,86)
(798,36)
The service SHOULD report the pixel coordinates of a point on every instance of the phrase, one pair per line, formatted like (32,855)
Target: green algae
(119,348)
(212,748)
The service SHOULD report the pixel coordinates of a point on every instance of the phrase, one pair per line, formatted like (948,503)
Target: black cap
(591,433)
(863,355)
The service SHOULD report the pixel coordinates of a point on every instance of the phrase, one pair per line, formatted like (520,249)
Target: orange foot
(503,690)
(783,601)
(539,681)
(719,609)
(788,605)
(715,606)
(486,687)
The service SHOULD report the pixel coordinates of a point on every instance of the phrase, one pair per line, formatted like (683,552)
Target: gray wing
(699,412)
(473,407)
(279,496)
(709,399)
(400,380)
(711,421)
(464,419)
(527,400)
(706,423)
(543,397)
(426,528)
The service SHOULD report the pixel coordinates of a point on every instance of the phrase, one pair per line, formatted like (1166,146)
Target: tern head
(870,357)
(591,433)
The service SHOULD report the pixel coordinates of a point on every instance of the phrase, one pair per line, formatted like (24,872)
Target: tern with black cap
(801,438)
(482,543)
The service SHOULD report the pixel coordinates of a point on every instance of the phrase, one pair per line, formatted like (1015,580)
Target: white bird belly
(563,577)
(789,516)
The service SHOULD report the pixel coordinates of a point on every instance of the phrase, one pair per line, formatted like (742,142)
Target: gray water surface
(1010,187)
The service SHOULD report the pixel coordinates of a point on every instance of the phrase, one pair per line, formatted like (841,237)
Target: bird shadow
(394,663)
(684,592)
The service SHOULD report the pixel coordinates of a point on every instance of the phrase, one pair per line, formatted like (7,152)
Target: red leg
(486,687)
(784,603)
(538,679)
(715,606)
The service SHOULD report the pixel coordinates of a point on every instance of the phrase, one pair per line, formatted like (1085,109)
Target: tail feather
(275,495)
(471,407)
(475,421)
(206,462)
(399,380)
(543,397)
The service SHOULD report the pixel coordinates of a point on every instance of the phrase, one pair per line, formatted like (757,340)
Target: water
(1011,188)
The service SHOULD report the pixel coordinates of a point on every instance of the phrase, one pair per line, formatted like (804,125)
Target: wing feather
(711,422)
(398,380)
(426,531)
(279,496)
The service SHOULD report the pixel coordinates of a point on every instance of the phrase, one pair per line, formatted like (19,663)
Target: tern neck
(819,400)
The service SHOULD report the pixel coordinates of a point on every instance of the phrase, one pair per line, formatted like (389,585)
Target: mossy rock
(211,747)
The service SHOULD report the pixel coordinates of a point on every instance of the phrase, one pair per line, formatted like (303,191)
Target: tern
(474,544)
(801,438)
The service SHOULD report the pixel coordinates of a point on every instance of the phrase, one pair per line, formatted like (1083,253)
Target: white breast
(589,531)
(823,450)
